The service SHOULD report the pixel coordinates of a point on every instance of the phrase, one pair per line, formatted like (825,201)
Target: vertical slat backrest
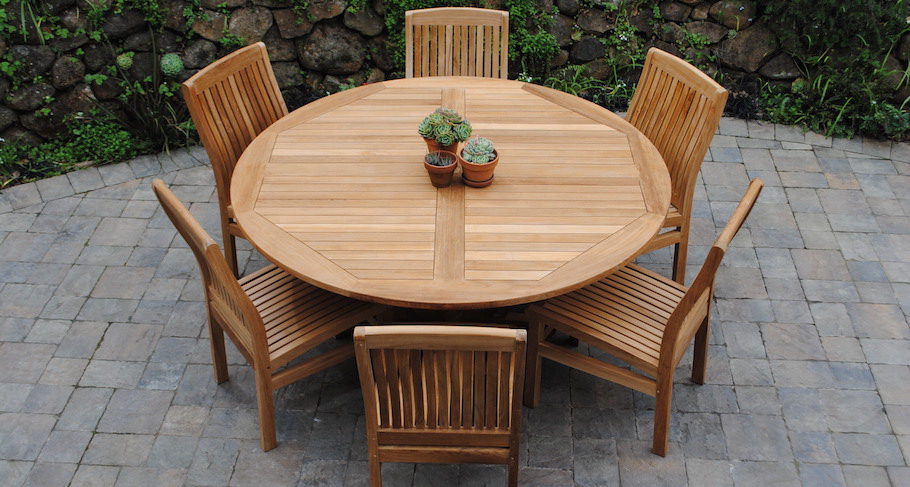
(435,377)
(223,294)
(688,315)
(231,101)
(678,108)
(457,41)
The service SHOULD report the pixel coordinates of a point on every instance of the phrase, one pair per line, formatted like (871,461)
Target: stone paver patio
(106,377)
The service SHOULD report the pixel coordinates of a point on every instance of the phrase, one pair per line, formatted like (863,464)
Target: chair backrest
(457,41)
(231,101)
(678,108)
(225,299)
(437,385)
(687,317)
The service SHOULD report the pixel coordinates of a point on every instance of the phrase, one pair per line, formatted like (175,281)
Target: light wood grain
(639,317)
(441,394)
(342,204)
(456,41)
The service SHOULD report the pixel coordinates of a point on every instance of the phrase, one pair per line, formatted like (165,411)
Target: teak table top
(336,193)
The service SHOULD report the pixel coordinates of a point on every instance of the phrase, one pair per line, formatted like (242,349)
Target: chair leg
(662,416)
(230,251)
(700,356)
(219,355)
(533,362)
(375,472)
(679,255)
(266,400)
(512,481)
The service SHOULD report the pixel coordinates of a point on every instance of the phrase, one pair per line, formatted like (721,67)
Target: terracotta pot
(441,176)
(432,146)
(478,175)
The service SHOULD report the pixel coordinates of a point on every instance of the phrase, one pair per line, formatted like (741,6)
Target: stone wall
(333,45)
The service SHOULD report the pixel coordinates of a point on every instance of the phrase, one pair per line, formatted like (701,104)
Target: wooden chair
(441,394)
(457,41)
(639,317)
(231,101)
(271,316)
(678,108)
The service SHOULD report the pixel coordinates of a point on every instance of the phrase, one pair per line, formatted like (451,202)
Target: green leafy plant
(478,150)
(572,79)
(445,126)
(440,159)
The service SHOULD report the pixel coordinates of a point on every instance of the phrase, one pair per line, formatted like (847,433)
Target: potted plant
(440,166)
(478,159)
(444,129)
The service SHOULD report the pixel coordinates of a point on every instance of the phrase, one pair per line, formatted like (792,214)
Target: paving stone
(46,223)
(820,265)
(277,467)
(184,421)
(595,462)
(25,247)
(87,179)
(13,396)
(123,282)
(867,449)
(84,409)
(831,319)
(177,264)
(187,320)
(107,373)
(213,462)
(865,476)
(95,476)
(23,435)
(792,341)
(854,411)
(843,349)
(143,476)
(14,329)
(50,475)
(752,372)
(79,280)
(107,309)
(829,475)
(22,195)
(16,222)
(893,383)
(124,450)
(739,282)
(47,399)
(639,467)
(118,231)
(65,446)
(794,373)
(48,331)
(852,376)
(135,411)
(94,207)
(14,472)
(78,230)
(23,362)
(872,272)
(113,174)
(128,341)
(813,447)
(81,339)
(744,310)
(830,291)
(146,257)
(162,376)
(596,423)
(104,255)
(878,321)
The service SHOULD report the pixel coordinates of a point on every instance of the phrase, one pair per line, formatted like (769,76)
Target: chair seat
(624,313)
(297,315)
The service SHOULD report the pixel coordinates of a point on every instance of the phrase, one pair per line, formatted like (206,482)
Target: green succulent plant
(171,65)
(478,150)
(125,60)
(440,159)
(445,126)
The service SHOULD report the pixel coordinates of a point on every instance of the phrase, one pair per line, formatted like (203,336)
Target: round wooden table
(336,193)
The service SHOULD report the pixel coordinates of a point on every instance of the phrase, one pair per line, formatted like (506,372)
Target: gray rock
(143,65)
(599,69)
(123,24)
(671,32)
(735,14)
(250,24)
(66,72)
(664,46)
(561,29)
(288,75)
(3,47)
(36,60)
(74,19)
(691,2)
(173,14)
(96,57)
(376,75)
(288,26)
(7,117)
(892,81)
(280,49)
(380,54)
(587,49)
(594,20)
(21,136)
(674,11)
(69,43)
(331,49)
(700,11)
(326,9)
(4,88)
(213,4)
(54,7)
(366,21)
(714,32)
(643,20)
(568,7)
(780,67)
(560,59)
(107,90)
(902,52)
(379,6)
(78,99)
(749,50)
(30,97)
(211,29)
(165,41)
(199,54)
